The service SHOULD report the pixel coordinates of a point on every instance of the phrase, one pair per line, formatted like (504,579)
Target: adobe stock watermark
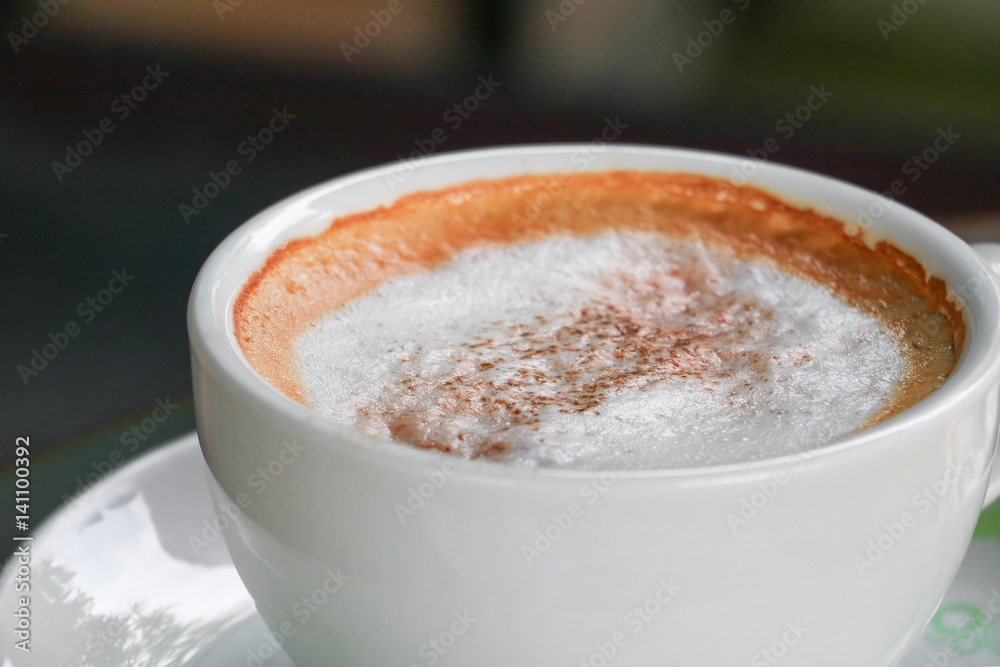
(418,496)
(435,647)
(767,489)
(453,118)
(246,152)
(793,633)
(923,501)
(42,356)
(898,17)
(915,167)
(303,611)
(22,574)
(970,289)
(561,14)
(635,621)
(786,127)
(129,440)
(258,481)
(30,25)
(563,522)
(369,31)
(581,159)
(121,108)
(451,292)
(698,43)
(223,7)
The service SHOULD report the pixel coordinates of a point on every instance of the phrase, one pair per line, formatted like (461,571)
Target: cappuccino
(623,319)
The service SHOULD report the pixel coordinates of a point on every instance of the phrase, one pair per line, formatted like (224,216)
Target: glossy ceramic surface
(123,575)
(392,555)
(201,592)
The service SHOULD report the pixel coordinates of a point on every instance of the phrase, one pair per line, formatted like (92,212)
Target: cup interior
(311,211)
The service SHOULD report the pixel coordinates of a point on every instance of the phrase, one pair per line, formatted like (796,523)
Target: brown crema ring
(311,277)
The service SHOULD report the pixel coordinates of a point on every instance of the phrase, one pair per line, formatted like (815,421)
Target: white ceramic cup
(359,552)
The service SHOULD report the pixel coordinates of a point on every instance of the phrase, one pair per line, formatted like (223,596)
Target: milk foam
(623,350)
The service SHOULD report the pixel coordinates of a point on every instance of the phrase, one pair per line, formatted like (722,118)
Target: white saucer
(116,581)
(134,573)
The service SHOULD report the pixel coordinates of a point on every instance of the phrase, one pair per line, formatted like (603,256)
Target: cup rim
(978,364)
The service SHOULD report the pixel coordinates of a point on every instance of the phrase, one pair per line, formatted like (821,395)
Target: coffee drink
(634,320)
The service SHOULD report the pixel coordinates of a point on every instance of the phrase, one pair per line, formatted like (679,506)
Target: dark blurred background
(182,84)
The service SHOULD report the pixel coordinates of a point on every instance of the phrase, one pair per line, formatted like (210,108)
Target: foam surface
(623,349)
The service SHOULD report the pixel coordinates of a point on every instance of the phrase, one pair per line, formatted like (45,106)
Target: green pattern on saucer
(989,522)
